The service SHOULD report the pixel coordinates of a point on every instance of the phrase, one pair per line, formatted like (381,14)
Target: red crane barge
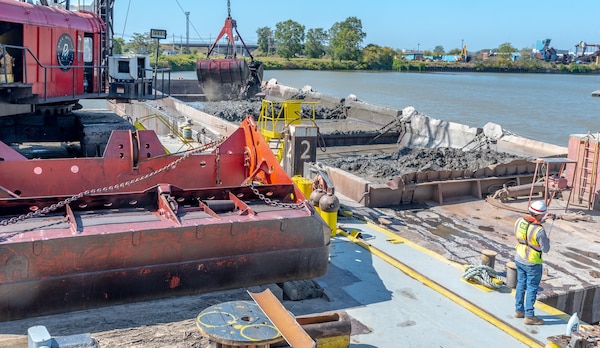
(133,222)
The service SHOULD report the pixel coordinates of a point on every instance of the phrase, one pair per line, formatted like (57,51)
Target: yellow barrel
(331,220)
(304,184)
(329,205)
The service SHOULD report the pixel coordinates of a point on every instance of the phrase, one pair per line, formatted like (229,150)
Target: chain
(272,202)
(55,206)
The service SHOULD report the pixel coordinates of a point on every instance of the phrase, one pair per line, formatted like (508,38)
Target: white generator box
(129,67)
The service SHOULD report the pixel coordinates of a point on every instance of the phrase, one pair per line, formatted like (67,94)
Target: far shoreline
(188,63)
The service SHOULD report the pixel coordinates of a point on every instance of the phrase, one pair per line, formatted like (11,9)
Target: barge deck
(401,279)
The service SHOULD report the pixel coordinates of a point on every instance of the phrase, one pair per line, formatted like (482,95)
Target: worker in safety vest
(532,243)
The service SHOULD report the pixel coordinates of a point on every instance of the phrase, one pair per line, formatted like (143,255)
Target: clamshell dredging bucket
(222,71)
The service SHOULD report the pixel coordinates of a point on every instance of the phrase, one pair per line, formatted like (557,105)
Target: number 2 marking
(306,153)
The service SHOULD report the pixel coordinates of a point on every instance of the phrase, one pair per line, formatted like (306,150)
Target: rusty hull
(226,219)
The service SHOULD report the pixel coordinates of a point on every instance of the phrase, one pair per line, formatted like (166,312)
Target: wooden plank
(290,329)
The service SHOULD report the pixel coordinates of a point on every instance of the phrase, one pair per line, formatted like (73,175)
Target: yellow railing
(276,116)
(141,122)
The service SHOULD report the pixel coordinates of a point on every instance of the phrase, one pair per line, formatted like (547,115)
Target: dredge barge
(94,211)
(457,228)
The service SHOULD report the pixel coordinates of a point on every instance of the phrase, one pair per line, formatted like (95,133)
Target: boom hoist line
(228,28)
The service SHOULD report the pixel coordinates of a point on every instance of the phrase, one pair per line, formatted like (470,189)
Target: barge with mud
(442,211)
(534,170)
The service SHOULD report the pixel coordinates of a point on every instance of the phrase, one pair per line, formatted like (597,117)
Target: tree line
(341,46)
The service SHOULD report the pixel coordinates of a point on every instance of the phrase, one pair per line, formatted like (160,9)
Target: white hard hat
(538,207)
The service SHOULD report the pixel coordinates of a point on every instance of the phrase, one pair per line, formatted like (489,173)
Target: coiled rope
(484,275)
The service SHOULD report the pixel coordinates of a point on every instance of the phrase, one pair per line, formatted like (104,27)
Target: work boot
(519,315)
(533,321)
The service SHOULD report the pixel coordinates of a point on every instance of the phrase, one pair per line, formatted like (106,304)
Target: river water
(545,107)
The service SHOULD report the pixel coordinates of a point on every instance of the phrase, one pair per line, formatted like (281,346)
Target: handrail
(270,119)
(102,88)
(46,68)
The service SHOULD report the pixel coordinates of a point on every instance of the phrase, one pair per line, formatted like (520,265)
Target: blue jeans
(528,282)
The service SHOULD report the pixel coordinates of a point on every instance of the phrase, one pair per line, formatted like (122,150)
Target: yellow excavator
(464,57)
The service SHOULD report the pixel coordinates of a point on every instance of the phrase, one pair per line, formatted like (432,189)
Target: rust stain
(174,282)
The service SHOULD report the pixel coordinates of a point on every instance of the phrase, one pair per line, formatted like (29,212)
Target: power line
(187,16)
(126,16)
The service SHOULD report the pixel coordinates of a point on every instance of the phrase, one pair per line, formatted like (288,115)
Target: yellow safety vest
(528,247)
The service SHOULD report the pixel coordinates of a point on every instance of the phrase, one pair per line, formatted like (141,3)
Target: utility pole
(187,31)
(269,45)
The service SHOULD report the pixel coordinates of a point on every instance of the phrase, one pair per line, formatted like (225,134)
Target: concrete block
(39,337)
(275,289)
(302,289)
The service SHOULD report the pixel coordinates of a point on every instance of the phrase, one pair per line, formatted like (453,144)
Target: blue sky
(398,24)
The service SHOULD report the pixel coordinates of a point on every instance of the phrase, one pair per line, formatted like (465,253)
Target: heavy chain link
(274,203)
(55,206)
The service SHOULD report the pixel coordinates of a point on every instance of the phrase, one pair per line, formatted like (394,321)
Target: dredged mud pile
(384,167)
(375,167)
(236,111)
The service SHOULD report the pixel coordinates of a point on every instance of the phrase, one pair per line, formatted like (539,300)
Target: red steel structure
(135,222)
(138,223)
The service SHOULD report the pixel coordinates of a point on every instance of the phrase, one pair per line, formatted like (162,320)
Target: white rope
(483,275)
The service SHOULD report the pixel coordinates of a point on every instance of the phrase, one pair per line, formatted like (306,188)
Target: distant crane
(587,57)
